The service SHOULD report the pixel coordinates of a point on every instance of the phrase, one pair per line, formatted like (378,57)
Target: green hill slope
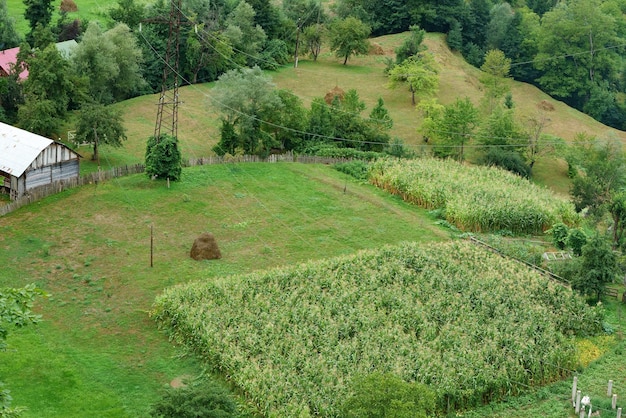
(198,122)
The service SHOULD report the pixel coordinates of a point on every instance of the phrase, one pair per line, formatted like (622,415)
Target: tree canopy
(349,37)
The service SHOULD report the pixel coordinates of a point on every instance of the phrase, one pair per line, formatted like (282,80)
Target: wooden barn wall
(53,154)
(50,173)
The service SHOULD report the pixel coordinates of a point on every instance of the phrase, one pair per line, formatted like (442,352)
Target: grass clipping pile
(454,316)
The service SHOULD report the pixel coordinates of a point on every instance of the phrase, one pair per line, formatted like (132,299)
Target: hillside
(198,122)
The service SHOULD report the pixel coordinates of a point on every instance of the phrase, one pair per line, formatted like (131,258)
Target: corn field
(474,198)
(470,324)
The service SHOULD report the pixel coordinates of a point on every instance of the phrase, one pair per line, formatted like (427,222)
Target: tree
(499,25)
(380,395)
(129,12)
(420,72)
(9,38)
(47,90)
(111,62)
(600,172)
(15,312)
(505,142)
(576,240)
(247,98)
(349,37)
(599,267)
(244,34)
(411,45)
(305,12)
(617,209)
(313,37)
(208,55)
(380,115)
(99,124)
(455,128)
(539,144)
(454,39)
(576,49)
(290,124)
(495,76)
(163,158)
(38,13)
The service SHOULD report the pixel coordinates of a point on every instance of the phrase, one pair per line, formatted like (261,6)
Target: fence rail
(556,278)
(41,192)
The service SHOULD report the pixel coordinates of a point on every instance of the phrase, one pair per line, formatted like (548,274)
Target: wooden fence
(38,193)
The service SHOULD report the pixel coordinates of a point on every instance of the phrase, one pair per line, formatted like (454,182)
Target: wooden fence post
(614,401)
(609,390)
(577,405)
(574,390)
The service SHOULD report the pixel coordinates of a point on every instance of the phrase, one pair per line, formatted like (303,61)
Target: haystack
(205,248)
(335,92)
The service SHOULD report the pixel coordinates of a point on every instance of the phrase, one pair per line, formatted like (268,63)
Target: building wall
(55,162)
(50,173)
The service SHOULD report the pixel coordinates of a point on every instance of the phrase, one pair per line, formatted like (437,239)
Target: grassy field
(97,353)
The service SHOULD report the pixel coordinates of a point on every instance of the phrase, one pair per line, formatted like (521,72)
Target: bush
(386,395)
(576,240)
(201,399)
(509,160)
(559,233)
(163,158)
(357,169)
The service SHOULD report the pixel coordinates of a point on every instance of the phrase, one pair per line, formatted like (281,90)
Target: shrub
(357,169)
(576,240)
(163,158)
(559,232)
(201,399)
(386,395)
(509,160)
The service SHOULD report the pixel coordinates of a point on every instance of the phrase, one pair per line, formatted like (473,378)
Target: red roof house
(8,58)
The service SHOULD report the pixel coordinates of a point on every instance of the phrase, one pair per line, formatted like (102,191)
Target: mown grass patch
(89,248)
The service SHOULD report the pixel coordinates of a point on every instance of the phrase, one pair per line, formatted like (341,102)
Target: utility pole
(295,58)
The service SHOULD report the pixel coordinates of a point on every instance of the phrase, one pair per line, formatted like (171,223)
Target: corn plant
(469,324)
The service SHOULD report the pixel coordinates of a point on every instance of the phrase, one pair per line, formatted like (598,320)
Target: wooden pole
(577,405)
(619,412)
(151,245)
(614,401)
(574,390)
(609,390)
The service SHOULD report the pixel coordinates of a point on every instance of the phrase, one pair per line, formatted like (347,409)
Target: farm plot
(469,323)
(474,198)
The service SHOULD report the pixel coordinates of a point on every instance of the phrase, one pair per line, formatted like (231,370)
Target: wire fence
(41,192)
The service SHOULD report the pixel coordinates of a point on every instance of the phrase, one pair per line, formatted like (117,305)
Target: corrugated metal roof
(19,148)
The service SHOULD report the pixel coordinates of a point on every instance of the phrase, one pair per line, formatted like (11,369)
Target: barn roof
(19,148)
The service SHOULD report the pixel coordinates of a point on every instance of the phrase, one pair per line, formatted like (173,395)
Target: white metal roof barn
(28,160)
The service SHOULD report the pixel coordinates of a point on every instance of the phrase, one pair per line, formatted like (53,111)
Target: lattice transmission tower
(167,110)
